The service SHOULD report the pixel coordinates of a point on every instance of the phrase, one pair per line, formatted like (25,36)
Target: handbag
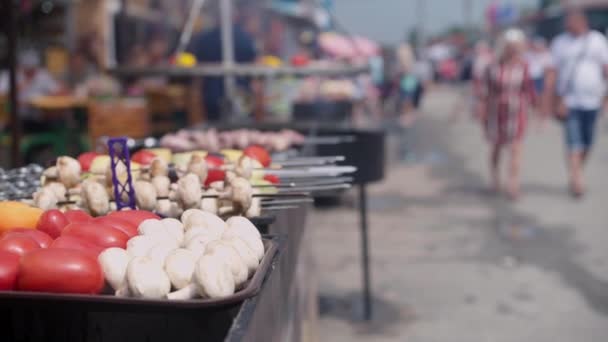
(560,109)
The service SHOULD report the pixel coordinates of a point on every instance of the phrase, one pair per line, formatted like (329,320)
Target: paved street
(453,263)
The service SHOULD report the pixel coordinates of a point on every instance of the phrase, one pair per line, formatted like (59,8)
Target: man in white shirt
(577,75)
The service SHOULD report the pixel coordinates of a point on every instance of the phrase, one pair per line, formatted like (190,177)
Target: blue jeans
(539,85)
(580,129)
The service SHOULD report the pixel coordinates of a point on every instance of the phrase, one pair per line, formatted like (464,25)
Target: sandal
(577,191)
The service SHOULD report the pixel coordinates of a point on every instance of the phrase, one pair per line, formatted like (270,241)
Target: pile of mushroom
(200,256)
(155,192)
(64,188)
(63,183)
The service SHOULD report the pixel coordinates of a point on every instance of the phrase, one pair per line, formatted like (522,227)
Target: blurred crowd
(516,76)
(513,75)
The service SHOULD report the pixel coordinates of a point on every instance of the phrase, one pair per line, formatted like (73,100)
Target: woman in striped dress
(506,93)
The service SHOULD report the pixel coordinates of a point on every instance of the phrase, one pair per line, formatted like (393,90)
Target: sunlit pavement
(453,263)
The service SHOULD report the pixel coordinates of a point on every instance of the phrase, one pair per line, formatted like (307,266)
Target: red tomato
(134,216)
(77,243)
(274,179)
(215,174)
(121,224)
(52,222)
(60,271)
(258,153)
(99,234)
(18,244)
(143,157)
(9,268)
(43,239)
(77,216)
(300,60)
(86,159)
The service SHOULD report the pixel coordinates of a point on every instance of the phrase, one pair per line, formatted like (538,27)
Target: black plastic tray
(262,223)
(109,302)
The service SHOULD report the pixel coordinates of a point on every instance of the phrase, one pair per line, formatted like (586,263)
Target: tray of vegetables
(130,258)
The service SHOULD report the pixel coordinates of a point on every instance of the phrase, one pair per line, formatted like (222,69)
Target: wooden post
(16,126)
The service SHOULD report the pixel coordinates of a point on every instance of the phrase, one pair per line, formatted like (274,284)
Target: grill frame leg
(365,255)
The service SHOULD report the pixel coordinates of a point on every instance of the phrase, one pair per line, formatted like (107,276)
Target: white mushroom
(175,228)
(194,232)
(95,198)
(58,189)
(245,167)
(45,199)
(247,254)
(198,166)
(240,193)
(151,226)
(189,191)
(145,195)
(139,246)
(49,175)
(176,210)
(241,228)
(226,252)
(162,184)
(114,263)
(210,205)
(255,210)
(159,168)
(217,186)
(157,231)
(164,208)
(68,171)
(243,225)
(147,279)
(214,276)
(160,252)
(179,266)
(123,291)
(201,219)
(187,213)
(198,244)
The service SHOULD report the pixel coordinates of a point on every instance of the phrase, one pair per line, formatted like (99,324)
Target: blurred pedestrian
(207,47)
(484,56)
(539,59)
(575,89)
(506,94)
(423,71)
(407,83)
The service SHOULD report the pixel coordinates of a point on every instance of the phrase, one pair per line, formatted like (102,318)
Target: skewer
(319,188)
(278,186)
(331,171)
(312,166)
(283,195)
(262,196)
(287,201)
(283,207)
(279,195)
(330,140)
(329,184)
(320,161)
(319,182)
